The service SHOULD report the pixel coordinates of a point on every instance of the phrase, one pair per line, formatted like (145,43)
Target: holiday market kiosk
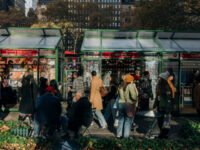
(36,49)
(118,52)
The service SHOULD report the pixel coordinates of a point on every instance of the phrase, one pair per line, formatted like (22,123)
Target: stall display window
(72,64)
(153,68)
(187,69)
(117,67)
(47,68)
(89,66)
(15,68)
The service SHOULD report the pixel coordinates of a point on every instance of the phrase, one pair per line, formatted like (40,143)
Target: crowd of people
(42,105)
(124,99)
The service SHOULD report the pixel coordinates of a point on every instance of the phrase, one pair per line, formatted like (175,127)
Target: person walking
(145,91)
(128,95)
(78,85)
(96,99)
(110,100)
(27,96)
(166,94)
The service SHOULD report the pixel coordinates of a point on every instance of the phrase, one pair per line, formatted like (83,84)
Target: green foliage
(16,18)
(168,15)
(190,130)
(10,141)
(189,134)
(14,124)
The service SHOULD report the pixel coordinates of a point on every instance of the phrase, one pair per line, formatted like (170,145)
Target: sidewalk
(142,126)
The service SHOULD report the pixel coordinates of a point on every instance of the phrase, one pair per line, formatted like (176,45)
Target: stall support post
(62,72)
(161,62)
(179,84)
(38,66)
(100,60)
(57,65)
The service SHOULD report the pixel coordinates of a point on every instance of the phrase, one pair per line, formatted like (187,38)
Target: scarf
(172,88)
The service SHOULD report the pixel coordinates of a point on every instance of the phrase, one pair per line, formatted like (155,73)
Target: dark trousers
(163,132)
(144,104)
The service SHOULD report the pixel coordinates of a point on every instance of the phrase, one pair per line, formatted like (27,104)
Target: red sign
(121,55)
(191,56)
(19,52)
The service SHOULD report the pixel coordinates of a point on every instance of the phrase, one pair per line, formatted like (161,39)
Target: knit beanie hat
(164,75)
(129,78)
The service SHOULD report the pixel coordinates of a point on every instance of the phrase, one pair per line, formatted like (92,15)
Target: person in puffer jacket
(78,85)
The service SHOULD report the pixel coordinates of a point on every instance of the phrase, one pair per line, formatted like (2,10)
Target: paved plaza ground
(143,124)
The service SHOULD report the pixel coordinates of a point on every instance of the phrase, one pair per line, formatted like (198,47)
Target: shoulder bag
(103,91)
(130,108)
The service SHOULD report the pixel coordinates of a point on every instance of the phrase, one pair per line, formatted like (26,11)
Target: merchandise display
(15,68)
(89,66)
(117,67)
(47,68)
(153,68)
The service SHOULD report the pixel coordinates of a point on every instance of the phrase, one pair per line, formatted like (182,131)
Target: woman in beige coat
(96,99)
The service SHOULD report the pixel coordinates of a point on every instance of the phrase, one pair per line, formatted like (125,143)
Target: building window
(127,20)
(127,7)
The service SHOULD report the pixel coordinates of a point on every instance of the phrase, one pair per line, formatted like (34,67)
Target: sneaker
(115,124)
(105,127)
(92,123)
(118,137)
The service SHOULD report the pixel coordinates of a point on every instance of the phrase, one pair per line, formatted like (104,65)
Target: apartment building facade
(80,19)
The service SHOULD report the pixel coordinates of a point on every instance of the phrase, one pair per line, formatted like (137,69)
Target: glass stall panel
(88,67)
(187,85)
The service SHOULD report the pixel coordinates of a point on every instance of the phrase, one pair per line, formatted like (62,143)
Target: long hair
(124,85)
(162,86)
(54,84)
(43,83)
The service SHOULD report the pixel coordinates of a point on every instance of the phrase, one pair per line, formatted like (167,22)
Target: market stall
(118,52)
(72,64)
(34,49)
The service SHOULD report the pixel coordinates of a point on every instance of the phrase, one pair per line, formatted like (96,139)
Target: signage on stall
(190,55)
(19,52)
(120,55)
(170,56)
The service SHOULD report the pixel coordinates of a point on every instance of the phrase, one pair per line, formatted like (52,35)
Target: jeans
(64,123)
(101,118)
(125,122)
(110,110)
(48,126)
(36,128)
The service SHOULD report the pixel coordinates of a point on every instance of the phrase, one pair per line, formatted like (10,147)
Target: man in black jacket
(80,113)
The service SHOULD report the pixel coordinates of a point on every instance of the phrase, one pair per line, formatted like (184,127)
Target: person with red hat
(47,112)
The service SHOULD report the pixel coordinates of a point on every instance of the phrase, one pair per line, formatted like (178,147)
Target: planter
(24,132)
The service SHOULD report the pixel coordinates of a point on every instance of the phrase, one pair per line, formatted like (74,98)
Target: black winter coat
(28,93)
(48,109)
(80,114)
